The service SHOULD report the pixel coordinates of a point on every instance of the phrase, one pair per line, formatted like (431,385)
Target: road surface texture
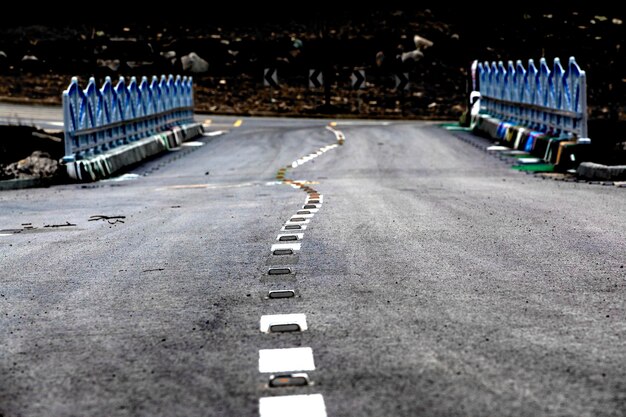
(431,280)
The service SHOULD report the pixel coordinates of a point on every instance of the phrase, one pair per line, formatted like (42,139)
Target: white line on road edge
(293,405)
(192,143)
(214,133)
(277,319)
(286,360)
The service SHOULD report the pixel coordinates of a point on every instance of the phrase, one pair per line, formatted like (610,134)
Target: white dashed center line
(292,246)
(286,360)
(292,359)
(292,406)
(282,319)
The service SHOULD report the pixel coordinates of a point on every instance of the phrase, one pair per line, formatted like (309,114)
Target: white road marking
(270,320)
(286,360)
(124,177)
(206,186)
(6,234)
(193,143)
(293,405)
(292,246)
(60,124)
(303,227)
(304,216)
(214,133)
(306,221)
(300,236)
(497,148)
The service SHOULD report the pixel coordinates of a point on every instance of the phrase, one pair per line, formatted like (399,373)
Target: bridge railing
(548,100)
(99,119)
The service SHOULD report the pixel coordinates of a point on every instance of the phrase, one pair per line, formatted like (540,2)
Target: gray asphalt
(436,281)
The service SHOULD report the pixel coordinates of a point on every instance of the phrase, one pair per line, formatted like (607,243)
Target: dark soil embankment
(27,152)
(38,56)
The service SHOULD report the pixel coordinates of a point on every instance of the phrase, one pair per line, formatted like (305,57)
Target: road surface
(431,279)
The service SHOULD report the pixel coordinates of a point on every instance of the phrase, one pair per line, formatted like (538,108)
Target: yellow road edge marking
(237,123)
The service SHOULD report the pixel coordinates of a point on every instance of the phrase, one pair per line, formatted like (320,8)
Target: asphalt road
(433,280)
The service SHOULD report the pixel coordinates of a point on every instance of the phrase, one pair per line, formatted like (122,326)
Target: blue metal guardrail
(97,120)
(551,101)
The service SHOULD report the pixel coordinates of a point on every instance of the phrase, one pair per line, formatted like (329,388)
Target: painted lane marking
(286,360)
(290,237)
(293,405)
(124,177)
(338,134)
(270,322)
(274,294)
(192,143)
(281,252)
(6,234)
(291,227)
(214,133)
(279,271)
(209,186)
(293,359)
(237,123)
(300,222)
(289,380)
(292,246)
(498,148)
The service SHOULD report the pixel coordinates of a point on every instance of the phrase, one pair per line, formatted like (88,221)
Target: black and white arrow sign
(316,79)
(402,81)
(270,77)
(358,79)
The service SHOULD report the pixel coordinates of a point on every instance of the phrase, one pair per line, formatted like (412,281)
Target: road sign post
(270,79)
(402,86)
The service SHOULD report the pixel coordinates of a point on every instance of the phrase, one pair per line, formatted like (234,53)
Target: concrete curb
(593,171)
(562,152)
(104,165)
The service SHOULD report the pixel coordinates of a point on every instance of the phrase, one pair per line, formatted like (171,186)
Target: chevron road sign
(270,77)
(357,79)
(316,78)
(402,81)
